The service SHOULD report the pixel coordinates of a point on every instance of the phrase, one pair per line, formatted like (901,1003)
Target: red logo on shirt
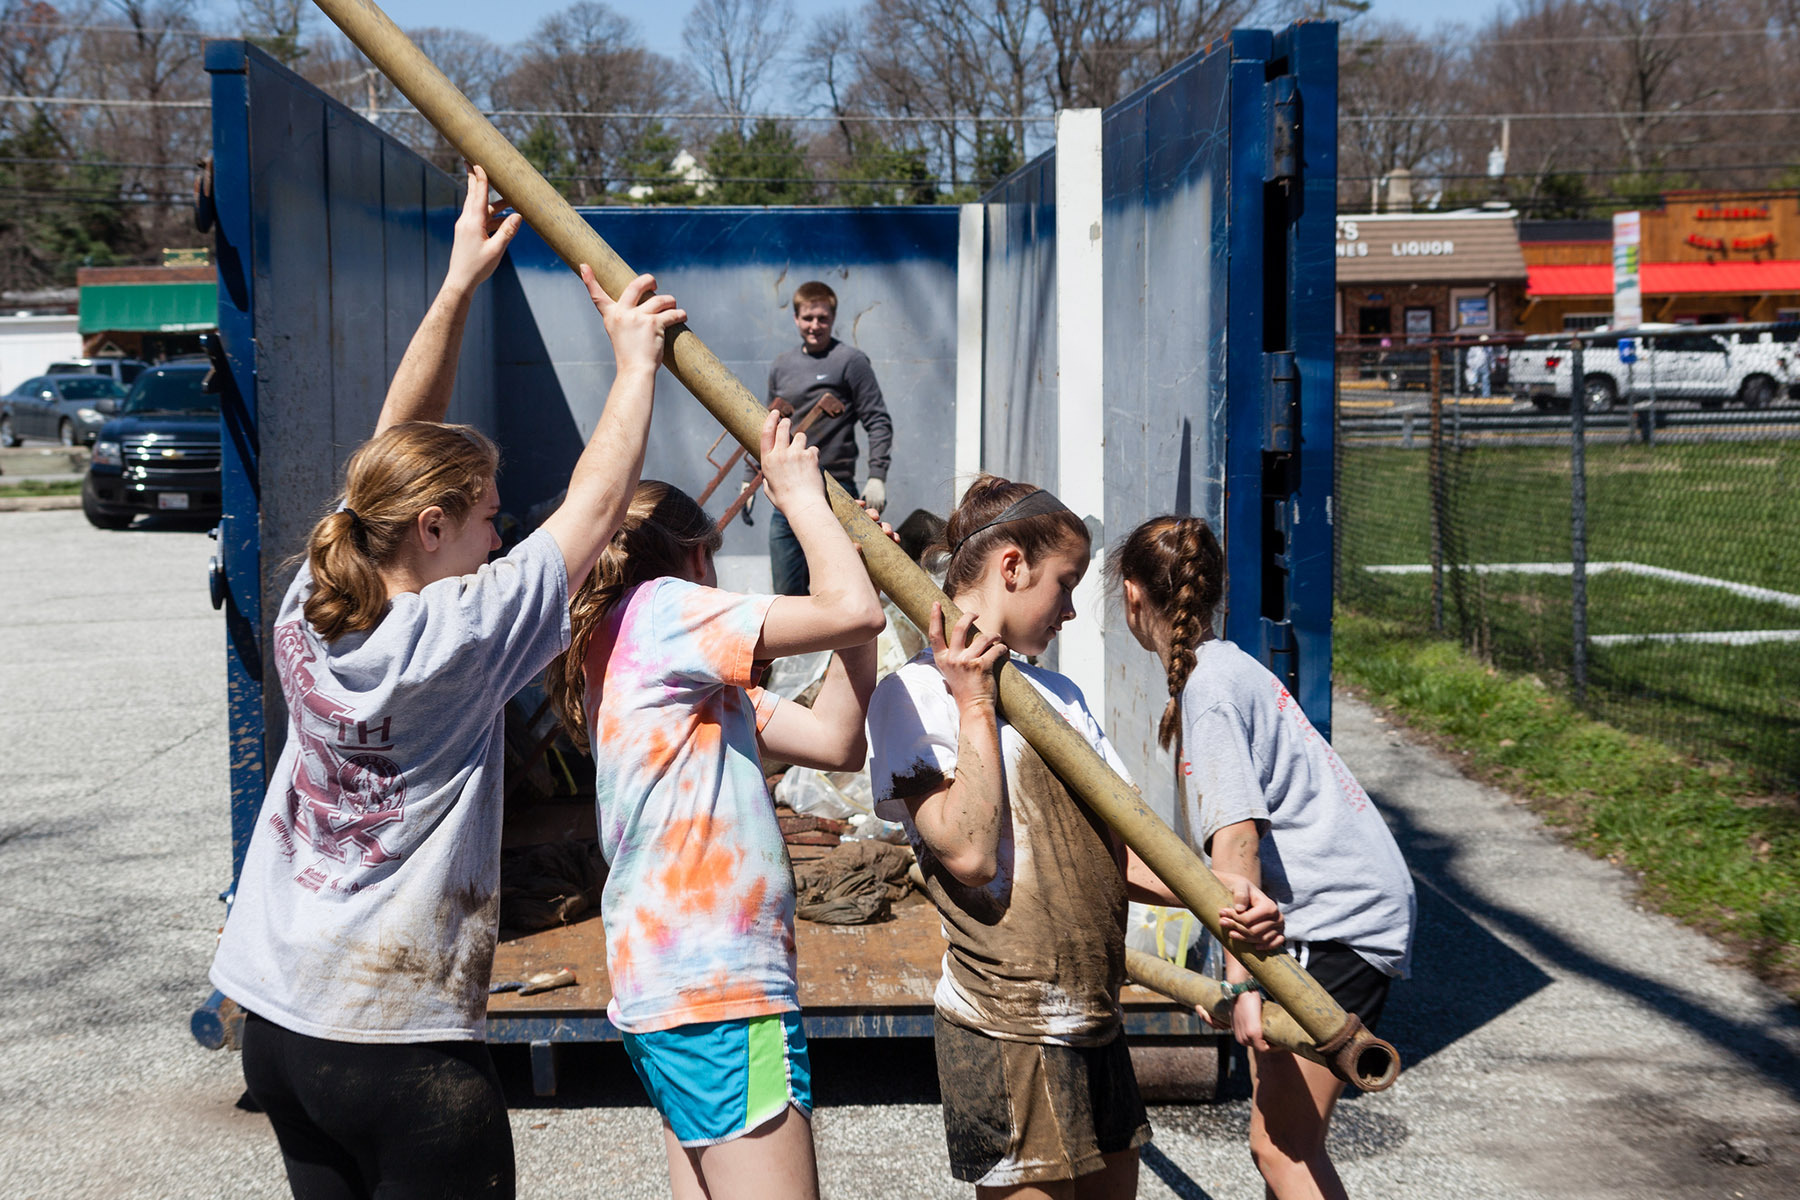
(337,802)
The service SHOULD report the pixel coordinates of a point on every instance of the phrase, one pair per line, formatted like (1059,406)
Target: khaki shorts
(1030,1112)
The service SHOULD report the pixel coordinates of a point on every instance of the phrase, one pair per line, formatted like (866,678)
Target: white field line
(1731,637)
(1767,595)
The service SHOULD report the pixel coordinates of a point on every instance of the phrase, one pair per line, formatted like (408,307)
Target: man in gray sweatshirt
(822,366)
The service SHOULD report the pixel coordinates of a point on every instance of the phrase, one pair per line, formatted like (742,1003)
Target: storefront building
(1707,258)
(147,312)
(1413,276)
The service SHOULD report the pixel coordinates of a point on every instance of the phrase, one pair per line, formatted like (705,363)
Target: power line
(1659,114)
(1400,42)
(946,119)
(570,114)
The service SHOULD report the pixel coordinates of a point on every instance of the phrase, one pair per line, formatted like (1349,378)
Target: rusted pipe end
(1360,1058)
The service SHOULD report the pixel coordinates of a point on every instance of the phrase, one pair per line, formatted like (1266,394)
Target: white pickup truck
(1751,364)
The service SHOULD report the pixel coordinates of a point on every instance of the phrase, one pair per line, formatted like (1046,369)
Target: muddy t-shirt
(1038,953)
(369,900)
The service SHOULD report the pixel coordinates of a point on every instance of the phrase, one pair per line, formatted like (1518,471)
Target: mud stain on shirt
(1039,954)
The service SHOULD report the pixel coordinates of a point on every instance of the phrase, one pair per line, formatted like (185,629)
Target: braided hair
(1178,564)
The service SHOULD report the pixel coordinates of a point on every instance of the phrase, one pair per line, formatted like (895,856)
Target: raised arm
(960,821)
(842,609)
(427,374)
(607,473)
(830,734)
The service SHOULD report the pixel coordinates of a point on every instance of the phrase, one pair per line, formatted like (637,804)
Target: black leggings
(424,1119)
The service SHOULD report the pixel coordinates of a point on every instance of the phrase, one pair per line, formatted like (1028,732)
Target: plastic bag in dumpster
(855,884)
(1168,933)
(554,883)
(840,795)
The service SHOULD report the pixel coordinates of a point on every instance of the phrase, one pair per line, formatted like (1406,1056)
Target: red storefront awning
(1667,279)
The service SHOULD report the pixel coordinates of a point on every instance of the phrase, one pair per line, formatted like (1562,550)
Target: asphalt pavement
(1559,1041)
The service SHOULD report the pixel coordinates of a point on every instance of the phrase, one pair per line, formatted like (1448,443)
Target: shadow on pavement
(1463,976)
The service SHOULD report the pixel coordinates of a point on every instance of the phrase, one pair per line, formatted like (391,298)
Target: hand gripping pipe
(1066,752)
(1374,1067)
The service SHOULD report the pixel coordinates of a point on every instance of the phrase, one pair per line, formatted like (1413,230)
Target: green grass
(37,487)
(1717,509)
(1710,847)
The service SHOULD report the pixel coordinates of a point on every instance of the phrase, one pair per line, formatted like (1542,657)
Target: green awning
(149,307)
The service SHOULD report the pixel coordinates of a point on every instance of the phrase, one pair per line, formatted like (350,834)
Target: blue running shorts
(720,1080)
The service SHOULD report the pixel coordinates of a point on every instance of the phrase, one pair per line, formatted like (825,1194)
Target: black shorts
(1349,979)
(1032,1112)
(354,1119)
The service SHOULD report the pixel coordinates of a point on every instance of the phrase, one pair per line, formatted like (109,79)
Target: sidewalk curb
(38,503)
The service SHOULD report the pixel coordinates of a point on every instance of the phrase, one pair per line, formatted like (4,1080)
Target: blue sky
(660,23)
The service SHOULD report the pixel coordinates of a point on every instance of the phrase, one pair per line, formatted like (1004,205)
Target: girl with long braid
(1039,1096)
(1271,801)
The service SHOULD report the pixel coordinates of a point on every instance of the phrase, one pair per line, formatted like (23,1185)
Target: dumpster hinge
(1284,129)
(1281,401)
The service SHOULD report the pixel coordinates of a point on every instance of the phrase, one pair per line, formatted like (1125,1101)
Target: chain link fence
(1639,551)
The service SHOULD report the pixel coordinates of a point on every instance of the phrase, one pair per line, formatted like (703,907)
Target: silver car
(61,408)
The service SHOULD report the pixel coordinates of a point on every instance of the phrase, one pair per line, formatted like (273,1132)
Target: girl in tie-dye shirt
(660,679)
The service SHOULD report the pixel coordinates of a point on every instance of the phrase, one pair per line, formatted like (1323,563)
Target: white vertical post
(971,293)
(1080,411)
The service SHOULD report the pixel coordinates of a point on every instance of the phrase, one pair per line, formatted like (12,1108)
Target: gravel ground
(1559,1041)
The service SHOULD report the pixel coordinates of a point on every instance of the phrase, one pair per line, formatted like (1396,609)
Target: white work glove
(874,493)
(748,504)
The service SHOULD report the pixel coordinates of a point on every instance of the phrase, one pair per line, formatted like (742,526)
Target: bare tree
(278,26)
(1394,88)
(738,44)
(586,59)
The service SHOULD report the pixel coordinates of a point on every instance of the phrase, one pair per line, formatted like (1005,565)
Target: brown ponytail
(1178,564)
(1036,535)
(390,480)
(661,528)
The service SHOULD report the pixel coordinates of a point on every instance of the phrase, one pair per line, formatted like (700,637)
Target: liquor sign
(1628,299)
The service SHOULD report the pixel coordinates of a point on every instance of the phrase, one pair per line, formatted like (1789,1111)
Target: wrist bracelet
(1233,990)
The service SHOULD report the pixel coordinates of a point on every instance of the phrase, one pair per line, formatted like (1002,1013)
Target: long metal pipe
(1066,752)
(1374,1065)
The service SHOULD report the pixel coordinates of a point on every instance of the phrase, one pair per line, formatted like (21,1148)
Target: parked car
(1712,365)
(62,408)
(161,453)
(1406,368)
(122,371)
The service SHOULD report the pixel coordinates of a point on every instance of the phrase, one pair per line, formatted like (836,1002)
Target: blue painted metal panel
(1246,582)
(1165,175)
(240,553)
(1310,55)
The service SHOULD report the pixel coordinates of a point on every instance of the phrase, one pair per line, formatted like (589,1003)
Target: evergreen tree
(881,174)
(59,215)
(768,167)
(544,150)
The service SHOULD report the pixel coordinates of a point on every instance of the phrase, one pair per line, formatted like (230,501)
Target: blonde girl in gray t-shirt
(1271,801)
(361,933)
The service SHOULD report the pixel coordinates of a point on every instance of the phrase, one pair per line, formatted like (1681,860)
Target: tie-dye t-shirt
(699,899)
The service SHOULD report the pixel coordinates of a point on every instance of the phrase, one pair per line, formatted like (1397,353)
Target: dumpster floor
(892,965)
